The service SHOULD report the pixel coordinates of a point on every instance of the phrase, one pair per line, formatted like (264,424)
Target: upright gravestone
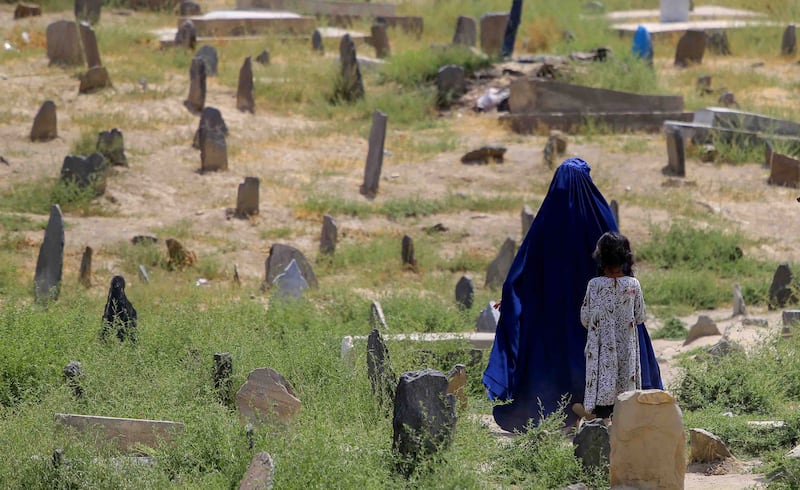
(63,43)
(245,101)
(316,42)
(372,172)
(210,120)
(351,86)
(210,57)
(591,443)
(465,292)
(377,320)
(186,37)
(290,283)
(676,152)
(197,86)
(85,172)
(407,252)
(329,235)
(279,257)
(466,31)
(450,84)
(213,152)
(89,42)
(85,276)
(379,371)
(50,263)
(94,79)
(188,9)
(780,291)
(45,127)
(739,307)
(614,205)
(259,473)
(691,47)
(223,376)
(24,10)
(526,215)
(424,417)
(111,145)
(789,41)
(498,270)
(493,29)
(263,58)
(73,375)
(718,43)
(380,40)
(488,318)
(247,197)
(88,10)
(266,396)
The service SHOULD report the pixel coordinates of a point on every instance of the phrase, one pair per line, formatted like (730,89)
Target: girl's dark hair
(613,250)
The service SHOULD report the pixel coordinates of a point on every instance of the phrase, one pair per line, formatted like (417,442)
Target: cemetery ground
(694,237)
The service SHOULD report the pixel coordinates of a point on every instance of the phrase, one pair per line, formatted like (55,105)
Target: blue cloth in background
(537,356)
(643,44)
(651,373)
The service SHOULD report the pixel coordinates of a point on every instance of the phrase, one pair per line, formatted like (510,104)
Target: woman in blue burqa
(537,364)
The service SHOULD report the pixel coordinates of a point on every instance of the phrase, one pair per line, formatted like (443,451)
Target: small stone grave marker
(316,42)
(707,447)
(263,57)
(691,47)
(63,43)
(676,152)
(592,444)
(111,145)
(186,37)
(466,31)
(526,216)
(456,384)
(377,320)
(498,270)
(189,9)
(450,84)
(465,292)
(351,86)
(784,170)
(266,396)
(614,205)
(223,372)
(493,29)
(88,10)
(259,473)
(96,78)
(379,370)
(245,101)
(143,274)
(197,86)
(73,373)
(290,283)
(372,171)
(210,57)
(128,434)
(247,197)
(85,172)
(380,40)
(279,257)
(780,291)
(789,41)
(704,327)
(45,126)
(85,276)
(210,120)
(488,318)
(89,42)
(790,317)
(213,152)
(484,155)
(718,43)
(329,235)
(407,253)
(738,301)
(178,256)
(24,10)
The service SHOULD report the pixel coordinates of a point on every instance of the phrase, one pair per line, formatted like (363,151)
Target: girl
(611,310)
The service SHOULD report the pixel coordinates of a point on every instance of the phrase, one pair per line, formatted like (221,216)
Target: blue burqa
(537,356)
(642,46)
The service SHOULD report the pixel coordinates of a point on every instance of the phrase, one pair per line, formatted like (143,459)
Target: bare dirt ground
(162,188)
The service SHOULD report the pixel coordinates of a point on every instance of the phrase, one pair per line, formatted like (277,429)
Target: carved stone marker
(188,9)
(88,10)
(197,86)
(676,152)
(245,101)
(379,370)
(247,197)
(707,447)
(45,127)
(648,443)
(24,10)
(263,57)
(329,235)
(380,40)
(351,86)
(96,78)
(266,396)
(210,57)
(85,276)
(691,48)
(493,29)
(738,301)
(780,291)
(718,43)
(789,41)
(213,152)
(465,292)
(127,434)
(407,252)
(186,37)
(290,283)
(450,84)
(316,42)
(498,270)
(526,216)
(488,318)
(279,257)
(784,170)
(259,473)
(592,444)
(111,145)
(85,172)
(223,372)
(424,417)
(63,43)
(89,42)
(210,120)
(377,320)
(372,171)
(73,372)
(466,31)
(704,327)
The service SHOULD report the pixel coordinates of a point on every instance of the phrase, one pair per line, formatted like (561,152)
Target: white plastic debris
(201,281)
(26,37)
(8,46)
(492,98)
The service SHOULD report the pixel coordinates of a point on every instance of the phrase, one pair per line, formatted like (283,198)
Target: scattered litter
(201,281)
(9,47)
(26,37)
(492,98)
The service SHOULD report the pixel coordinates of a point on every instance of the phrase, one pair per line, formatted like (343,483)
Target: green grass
(673,329)
(37,197)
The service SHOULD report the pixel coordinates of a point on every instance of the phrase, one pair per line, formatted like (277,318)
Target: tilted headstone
(245,100)
(784,170)
(379,370)
(63,43)
(85,172)
(466,31)
(465,292)
(704,327)
(279,257)
(88,10)
(259,473)
(457,383)
(73,374)
(223,376)
(738,301)
(488,318)
(24,10)
(94,79)
(111,145)
(85,276)
(290,283)
(380,40)
(45,127)
(498,270)
(213,152)
(129,435)
(691,47)
(210,120)
(592,444)
(263,58)
(485,154)
(407,252)
(210,57)
(266,396)
(727,99)
(329,235)
(718,43)
(189,9)
(50,263)
(493,30)
(247,197)
(351,86)
(89,42)
(789,41)
(450,84)
(178,256)
(648,442)
(197,86)
(725,347)
(377,320)
(707,447)
(316,42)
(372,171)
(780,291)
(526,215)
(614,205)
(676,152)
(424,417)
(186,37)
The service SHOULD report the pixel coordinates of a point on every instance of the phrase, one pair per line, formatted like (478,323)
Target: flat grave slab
(322,8)
(166,36)
(248,22)
(128,434)
(704,12)
(572,122)
(700,25)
